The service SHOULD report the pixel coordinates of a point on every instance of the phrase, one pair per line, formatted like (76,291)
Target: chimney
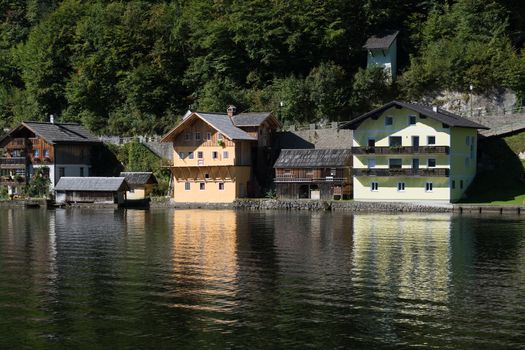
(435,108)
(231,110)
(52,119)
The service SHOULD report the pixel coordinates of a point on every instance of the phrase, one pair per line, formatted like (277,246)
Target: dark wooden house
(57,149)
(314,173)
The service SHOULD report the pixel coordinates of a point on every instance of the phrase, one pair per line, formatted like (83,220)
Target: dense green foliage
(129,67)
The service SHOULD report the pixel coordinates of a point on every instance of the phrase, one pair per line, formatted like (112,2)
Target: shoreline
(306,204)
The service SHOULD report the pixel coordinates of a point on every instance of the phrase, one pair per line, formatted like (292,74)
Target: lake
(188,279)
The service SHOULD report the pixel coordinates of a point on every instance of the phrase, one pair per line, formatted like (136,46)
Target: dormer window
(388,120)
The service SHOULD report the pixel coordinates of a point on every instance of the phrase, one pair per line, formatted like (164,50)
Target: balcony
(12,180)
(401,150)
(291,178)
(427,172)
(13,162)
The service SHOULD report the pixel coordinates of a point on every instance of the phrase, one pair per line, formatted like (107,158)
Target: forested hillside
(131,67)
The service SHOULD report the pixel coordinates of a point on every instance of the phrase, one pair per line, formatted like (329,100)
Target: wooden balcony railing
(14,162)
(427,172)
(402,150)
(286,178)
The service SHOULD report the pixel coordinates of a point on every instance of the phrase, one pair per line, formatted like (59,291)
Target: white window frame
(225,155)
(374,186)
(428,140)
(428,163)
(202,186)
(429,187)
(187,186)
(221,184)
(401,187)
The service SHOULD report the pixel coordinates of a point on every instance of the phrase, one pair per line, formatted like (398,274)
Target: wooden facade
(313,174)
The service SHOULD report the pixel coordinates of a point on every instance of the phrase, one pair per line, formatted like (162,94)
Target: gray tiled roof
(96,184)
(381,41)
(139,178)
(440,115)
(61,132)
(250,119)
(314,158)
(224,124)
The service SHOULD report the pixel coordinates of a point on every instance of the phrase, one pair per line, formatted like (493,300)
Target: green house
(382,51)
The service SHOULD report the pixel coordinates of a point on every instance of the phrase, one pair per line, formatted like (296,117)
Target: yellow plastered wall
(207,152)
(140,192)
(415,189)
(235,186)
(423,128)
(463,159)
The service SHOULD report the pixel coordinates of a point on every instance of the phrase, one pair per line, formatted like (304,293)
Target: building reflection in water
(204,259)
(405,258)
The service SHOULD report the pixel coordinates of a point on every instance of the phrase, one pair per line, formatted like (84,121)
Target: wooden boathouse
(314,174)
(105,190)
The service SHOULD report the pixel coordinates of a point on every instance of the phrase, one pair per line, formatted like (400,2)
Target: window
(431,163)
(400,186)
(187,186)
(219,136)
(431,140)
(197,135)
(81,172)
(374,186)
(208,136)
(46,153)
(187,137)
(181,155)
(394,141)
(395,163)
(206,176)
(202,186)
(461,184)
(221,186)
(190,154)
(411,120)
(225,154)
(36,153)
(200,155)
(371,163)
(215,155)
(61,172)
(428,187)
(453,184)
(388,120)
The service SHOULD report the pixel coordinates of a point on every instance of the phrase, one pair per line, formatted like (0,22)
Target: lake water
(188,279)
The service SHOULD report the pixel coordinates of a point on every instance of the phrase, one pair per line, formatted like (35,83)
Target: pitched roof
(439,114)
(313,158)
(224,124)
(250,119)
(139,178)
(95,184)
(381,41)
(59,132)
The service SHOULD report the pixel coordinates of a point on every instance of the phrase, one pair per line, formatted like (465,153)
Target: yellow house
(140,184)
(218,158)
(410,152)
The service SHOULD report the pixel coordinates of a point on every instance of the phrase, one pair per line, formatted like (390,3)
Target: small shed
(91,190)
(313,173)
(140,184)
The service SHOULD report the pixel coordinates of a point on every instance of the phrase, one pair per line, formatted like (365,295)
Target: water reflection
(227,279)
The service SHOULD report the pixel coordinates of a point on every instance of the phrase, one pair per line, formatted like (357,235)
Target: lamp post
(471,87)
